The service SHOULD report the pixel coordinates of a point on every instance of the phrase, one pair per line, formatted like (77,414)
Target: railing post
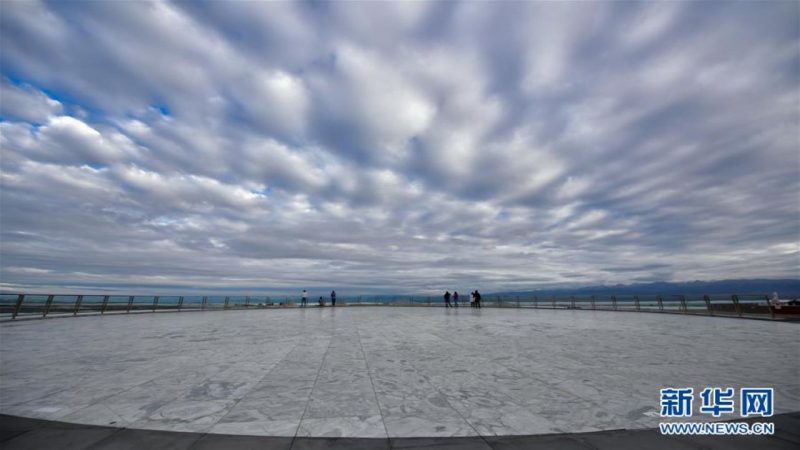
(683,304)
(553,298)
(104,305)
(247,302)
(707,299)
(18,306)
(77,305)
(47,306)
(636,302)
(736,305)
(536,301)
(614,302)
(227,302)
(572,301)
(769,305)
(180,303)
(204,303)
(592,297)
(660,303)
(518,301)
(130,303)
(155,303)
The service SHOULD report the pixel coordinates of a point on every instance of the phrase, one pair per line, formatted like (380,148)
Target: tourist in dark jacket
(447,299)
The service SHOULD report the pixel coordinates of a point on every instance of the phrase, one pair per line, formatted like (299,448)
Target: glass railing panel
(8,303)
(91,304)
(237,301)
(117,303)
(168,302)
(583,303)
(672,303)
(32,305)
(626,303)
(215,302)
(193,302)
(696,304)
(754,304)
(563,302)
(648,303)
(722,304)
(61,304)
(143,303)
(525,301)
(603,302)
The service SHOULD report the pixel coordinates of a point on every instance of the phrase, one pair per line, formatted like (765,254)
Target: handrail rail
(19,305)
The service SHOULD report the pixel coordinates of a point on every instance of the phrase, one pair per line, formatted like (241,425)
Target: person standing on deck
(304,299)
(455,298)
(775,301)
(333,298)
(477,299)
(447,299)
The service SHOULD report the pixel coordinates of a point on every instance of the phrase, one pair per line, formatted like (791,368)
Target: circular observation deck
(384,372)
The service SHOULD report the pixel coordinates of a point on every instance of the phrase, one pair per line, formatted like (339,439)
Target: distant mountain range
(786,288)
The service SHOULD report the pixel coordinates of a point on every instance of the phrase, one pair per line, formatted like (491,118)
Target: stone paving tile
(422,425)
(233,442)
(368,426)
(149,440)
(63,439)
(340,444)
(456,443)
(735,442)
(560,442)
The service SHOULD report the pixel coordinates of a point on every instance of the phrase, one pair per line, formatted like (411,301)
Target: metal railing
(15,306)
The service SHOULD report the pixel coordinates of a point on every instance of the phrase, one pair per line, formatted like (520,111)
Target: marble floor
(384,371)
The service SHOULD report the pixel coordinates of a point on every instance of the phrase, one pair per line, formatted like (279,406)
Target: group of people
(474,299)
(304,299)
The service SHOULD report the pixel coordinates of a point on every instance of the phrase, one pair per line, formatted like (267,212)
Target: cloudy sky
(396,147)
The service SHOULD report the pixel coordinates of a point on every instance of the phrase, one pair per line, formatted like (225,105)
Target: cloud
(279,101)
(26,103)
(396,147)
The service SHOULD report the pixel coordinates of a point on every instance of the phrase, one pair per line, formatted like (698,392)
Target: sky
(389,147)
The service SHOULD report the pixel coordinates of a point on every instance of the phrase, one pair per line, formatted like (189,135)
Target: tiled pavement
(381,372)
